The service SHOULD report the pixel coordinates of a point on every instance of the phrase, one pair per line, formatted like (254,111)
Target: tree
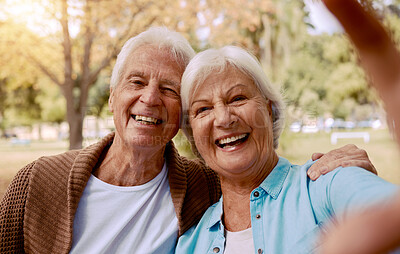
(87,37)
(269,29)
(19,81)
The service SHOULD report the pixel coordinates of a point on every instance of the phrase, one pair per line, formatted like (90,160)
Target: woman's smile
(231,142)
(231,123)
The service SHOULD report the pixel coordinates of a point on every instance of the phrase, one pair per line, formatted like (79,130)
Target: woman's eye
(238,98)
(202,110)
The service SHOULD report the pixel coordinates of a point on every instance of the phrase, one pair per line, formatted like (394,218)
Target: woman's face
(231,123)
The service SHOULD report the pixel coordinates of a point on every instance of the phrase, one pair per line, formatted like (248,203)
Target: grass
(297,147)
(381,149)
(14,157)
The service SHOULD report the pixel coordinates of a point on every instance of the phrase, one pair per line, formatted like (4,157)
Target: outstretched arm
(376,230)
(378,54)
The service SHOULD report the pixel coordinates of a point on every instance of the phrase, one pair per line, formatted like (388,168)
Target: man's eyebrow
(141,74)
(170,82)
(135,74)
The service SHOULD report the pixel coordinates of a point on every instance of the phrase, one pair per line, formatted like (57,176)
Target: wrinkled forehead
(149,60)
(156,54)
(219,75)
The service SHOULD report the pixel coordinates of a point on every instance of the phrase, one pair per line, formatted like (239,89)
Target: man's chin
(147,141)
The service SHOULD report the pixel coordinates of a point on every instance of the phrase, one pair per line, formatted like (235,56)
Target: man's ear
(111,100)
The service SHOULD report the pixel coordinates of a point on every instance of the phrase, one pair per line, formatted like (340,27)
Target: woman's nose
(224,118)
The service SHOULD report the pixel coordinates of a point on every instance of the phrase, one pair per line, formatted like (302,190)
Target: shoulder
(54,162)
(18,187)
(355,176)
(66,157)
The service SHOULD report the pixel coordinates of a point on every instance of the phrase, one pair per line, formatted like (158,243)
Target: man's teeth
(231,139)
(146,119)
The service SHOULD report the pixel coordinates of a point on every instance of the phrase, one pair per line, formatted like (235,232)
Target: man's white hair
(160,37)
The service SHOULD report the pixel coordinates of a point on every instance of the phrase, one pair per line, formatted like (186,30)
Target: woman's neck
(237,191)
(236,207)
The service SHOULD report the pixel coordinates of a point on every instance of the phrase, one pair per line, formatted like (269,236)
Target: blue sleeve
(346,189)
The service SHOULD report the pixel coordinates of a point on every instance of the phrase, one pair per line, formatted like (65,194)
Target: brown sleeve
(214,185)
(12,210)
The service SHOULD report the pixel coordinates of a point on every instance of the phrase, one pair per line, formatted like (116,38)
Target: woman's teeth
(231,141)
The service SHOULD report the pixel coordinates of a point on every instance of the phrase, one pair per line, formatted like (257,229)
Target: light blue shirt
(288,210)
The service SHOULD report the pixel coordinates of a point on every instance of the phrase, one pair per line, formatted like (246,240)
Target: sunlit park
(56,59)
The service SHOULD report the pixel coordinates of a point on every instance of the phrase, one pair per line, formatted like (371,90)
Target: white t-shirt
(240,242)
(115,219)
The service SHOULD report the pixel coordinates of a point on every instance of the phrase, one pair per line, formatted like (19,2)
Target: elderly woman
(234,118)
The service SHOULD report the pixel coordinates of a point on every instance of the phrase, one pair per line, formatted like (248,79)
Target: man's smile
(146,120)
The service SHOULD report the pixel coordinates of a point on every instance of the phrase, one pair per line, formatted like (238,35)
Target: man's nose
(151,95)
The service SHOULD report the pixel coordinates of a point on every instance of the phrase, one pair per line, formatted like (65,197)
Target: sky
(321,18)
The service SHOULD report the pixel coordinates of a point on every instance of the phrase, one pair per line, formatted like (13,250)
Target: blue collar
(216,214)
(272,185)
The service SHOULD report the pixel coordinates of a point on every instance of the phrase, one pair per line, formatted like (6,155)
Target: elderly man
(130,192)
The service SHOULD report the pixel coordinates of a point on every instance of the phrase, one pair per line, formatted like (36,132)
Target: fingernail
(312,175)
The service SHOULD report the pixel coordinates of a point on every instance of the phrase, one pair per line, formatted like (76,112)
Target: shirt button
(216,250)
(256,194)
(259,251)
(258,216)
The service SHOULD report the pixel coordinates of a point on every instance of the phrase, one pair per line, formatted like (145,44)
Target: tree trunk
(75,122)
(40,137)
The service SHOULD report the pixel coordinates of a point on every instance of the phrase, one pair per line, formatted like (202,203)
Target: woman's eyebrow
(236,86)
(198,101)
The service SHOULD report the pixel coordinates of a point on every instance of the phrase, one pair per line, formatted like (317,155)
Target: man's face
(146,103)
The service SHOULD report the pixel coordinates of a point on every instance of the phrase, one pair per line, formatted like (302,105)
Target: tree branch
(66,43)
(43,69)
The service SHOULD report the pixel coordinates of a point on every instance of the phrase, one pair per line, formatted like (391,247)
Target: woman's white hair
(160,37)
(210,61)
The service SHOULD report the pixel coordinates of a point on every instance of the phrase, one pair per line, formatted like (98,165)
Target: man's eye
(137,82)
(170,90)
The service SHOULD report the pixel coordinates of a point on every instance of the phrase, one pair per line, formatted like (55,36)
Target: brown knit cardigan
(38,209)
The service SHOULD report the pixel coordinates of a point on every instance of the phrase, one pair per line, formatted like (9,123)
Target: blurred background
(56,58)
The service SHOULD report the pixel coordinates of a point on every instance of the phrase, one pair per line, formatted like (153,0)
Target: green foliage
(52,103)
(98,97)
(183,145)
(324,77)
(23,107)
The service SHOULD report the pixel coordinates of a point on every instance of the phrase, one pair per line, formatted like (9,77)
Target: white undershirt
(116,219)
(240,242)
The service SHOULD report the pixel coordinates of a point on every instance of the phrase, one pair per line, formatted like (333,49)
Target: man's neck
(129,167)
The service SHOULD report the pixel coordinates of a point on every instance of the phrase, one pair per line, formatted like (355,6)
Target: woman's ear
(269,107)
(110,100)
